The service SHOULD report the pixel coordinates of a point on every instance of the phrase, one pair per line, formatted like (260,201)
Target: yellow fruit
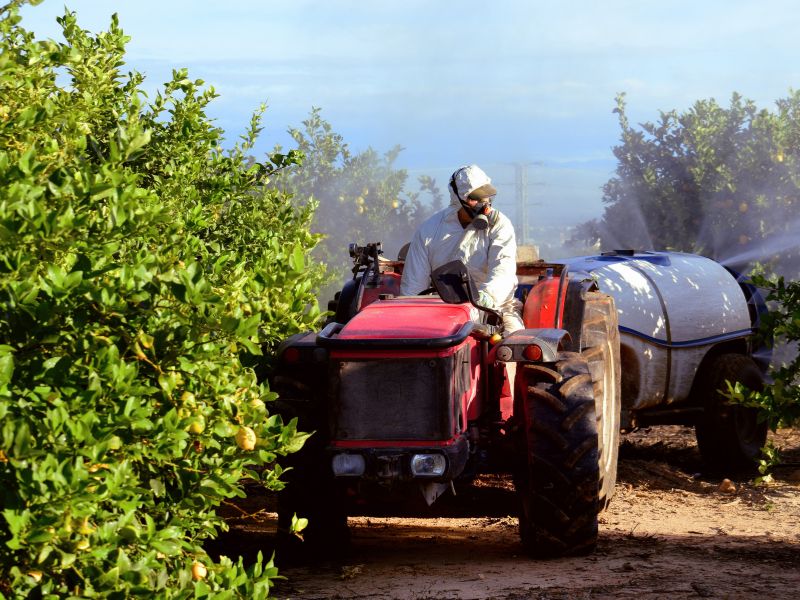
(361,210)
(743,207)
(258,404)
(246,438)
(36,575)
(85,528)
(395,204)
(360,201)
(187,397)
(197,426)
(365,192)
(82,545)
(114,443)
(779,156)
(199,571)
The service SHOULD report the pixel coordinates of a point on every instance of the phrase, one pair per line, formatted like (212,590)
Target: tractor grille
(395,399)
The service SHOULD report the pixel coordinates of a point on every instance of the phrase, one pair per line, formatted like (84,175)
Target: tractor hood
(407,318)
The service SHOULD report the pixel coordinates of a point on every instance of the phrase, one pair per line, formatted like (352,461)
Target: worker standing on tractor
(470,230)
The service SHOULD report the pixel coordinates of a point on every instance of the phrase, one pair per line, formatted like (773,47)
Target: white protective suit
(489,254)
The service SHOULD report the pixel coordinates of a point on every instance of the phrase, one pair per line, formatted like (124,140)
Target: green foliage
(711,180)
(779,402)
(141,267)
(360,197)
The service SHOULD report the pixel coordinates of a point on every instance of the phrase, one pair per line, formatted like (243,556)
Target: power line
(521,186)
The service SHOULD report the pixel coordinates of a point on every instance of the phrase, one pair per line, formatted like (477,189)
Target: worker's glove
(485,299)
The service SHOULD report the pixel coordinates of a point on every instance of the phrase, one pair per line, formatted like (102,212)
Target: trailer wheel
(311,490)
(729,436)
(558,477)
(600,349)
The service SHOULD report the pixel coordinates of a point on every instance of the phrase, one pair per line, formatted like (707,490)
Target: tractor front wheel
(558,478)
(600,350)
(311,490)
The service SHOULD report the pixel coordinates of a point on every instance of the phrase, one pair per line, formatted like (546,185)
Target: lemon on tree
(199,571)
(246,438)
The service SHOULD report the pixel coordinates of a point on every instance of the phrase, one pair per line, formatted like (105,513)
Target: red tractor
(421,391)
(415,391)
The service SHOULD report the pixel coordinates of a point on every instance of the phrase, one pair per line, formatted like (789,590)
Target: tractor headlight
(428,465)
(348,465)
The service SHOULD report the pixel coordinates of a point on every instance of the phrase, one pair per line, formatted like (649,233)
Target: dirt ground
(672,531)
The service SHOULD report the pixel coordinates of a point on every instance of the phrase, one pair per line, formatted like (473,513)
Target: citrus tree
(360,197)
(140,266)
(719,181)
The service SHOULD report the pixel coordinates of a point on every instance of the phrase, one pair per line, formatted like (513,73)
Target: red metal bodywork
(422,318)
(417,317)
(544,306)
(389,284)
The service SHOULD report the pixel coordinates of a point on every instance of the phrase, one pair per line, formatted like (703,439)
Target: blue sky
(460,82)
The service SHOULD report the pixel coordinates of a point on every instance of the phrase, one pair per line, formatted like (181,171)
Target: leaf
(298,525)
(6,369)
(168,547)
(252,348)
(297,260)
(229,323)
(22,440)
(55,276)
(136,144)
(158,487)
(249,326)
(25,160)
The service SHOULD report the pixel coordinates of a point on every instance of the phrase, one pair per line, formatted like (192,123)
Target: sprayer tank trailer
(415,392)
(686,326)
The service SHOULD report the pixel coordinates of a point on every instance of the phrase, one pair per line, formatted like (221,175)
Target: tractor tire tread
(558,488)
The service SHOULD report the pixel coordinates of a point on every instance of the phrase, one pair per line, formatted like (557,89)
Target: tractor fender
(511,347)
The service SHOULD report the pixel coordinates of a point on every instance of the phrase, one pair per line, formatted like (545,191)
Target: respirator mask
(479,213)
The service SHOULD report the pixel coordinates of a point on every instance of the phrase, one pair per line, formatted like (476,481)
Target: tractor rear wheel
(600,349)
(311,489)
(729,436)
(558,478)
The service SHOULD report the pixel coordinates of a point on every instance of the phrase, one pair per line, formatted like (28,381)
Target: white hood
(466,180)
